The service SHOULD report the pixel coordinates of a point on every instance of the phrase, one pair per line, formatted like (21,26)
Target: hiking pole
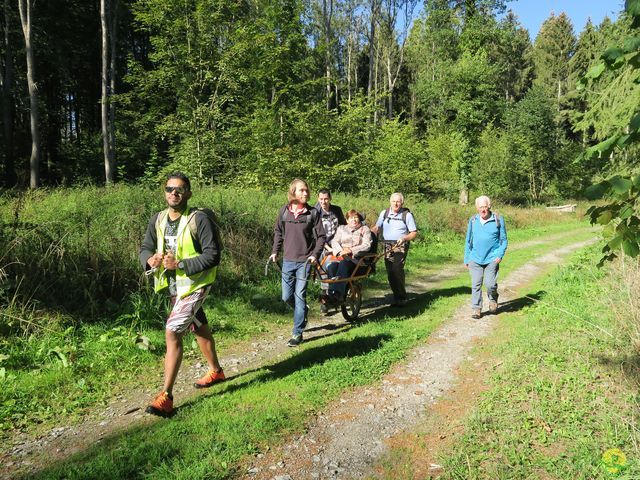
(266,267)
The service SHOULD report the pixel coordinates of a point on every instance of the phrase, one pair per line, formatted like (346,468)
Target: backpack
(311,218)
(471,227)
(193,227)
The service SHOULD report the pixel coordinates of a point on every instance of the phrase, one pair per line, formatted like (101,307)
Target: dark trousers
(395,273)
(343,269)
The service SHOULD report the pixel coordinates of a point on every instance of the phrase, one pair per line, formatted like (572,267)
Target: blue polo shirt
(393,227)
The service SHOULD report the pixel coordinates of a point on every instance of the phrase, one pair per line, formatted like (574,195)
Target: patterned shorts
(187,312)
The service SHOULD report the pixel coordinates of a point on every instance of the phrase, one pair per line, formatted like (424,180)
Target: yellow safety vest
(185,285)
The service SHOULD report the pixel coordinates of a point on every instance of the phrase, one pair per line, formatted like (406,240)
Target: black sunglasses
(178,190)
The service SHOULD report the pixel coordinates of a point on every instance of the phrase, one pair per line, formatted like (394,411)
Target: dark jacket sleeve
(278,233)
(205,245)
(149,244)
(340,215)
(321,237)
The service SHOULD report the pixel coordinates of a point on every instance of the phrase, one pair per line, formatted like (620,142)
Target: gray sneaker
(294,341)
(476,313)
(493,307)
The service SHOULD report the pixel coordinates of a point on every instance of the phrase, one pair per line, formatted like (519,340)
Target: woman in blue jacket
(485,246)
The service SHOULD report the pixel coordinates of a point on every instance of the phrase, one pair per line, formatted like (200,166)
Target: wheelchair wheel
(352,302)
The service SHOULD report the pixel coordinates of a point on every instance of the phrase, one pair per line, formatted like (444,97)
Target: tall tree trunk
(355,70)
(109,170)
(372,36)
(327,13)
(34,162)
(414,107)
(349,69)
(390,86)
(7,102)
(113,29)
(376,65)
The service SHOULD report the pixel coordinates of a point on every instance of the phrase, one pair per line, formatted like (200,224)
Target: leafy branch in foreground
(620,215)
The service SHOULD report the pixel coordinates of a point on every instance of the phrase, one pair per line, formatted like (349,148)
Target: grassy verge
(560,398)
(210,435)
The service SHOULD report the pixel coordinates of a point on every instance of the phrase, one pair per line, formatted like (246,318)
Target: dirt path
(23,453)
(352,434)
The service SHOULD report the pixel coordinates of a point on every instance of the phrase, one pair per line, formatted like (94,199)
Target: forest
(443,100)
(440,98)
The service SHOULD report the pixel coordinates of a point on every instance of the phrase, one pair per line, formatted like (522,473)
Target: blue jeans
(294,292)
(487,273)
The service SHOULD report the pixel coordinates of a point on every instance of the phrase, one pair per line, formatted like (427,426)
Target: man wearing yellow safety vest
(180,250)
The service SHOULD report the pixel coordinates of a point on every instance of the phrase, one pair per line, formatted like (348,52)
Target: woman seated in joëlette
(350,241)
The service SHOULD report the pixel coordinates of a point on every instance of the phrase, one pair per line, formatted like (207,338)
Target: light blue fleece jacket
(488,243)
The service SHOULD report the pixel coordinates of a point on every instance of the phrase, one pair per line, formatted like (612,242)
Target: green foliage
(524,162)
(532,144)
(448,155)
(432,50)
(254,93)
(620,214)
(212,64)
(393,161)
(473,98)
(512,49)
(493,170)
(554,46)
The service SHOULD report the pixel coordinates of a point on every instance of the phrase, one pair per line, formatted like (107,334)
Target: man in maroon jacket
(299,233)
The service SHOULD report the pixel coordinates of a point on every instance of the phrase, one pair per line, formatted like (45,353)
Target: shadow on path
(144,450)
(415,306)
(520,303)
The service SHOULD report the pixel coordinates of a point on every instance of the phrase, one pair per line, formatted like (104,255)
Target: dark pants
(343,269)
(395,273)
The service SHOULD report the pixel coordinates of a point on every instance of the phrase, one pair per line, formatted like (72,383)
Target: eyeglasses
(178,190)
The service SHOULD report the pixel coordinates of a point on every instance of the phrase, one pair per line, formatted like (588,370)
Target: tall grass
(75,251)
(623,299)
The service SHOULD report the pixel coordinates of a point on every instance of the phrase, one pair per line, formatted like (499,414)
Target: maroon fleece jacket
(298,237)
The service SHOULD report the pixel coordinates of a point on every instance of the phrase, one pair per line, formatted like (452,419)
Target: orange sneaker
(161,406)
(209,379)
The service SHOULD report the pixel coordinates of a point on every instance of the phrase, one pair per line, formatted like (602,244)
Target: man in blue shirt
(485,246)
(396,227)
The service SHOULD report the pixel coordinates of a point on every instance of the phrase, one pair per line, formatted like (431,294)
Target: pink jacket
(358,240)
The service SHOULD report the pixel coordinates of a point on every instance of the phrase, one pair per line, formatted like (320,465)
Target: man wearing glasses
(396,227)
(180,250)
